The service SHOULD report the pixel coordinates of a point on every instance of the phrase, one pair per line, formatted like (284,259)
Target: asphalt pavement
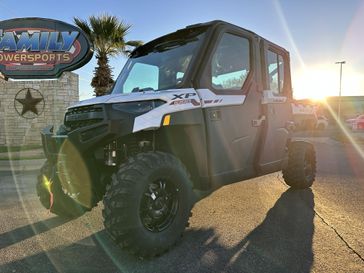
(259,225)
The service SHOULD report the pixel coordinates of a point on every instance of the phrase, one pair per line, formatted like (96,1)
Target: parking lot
(257,225)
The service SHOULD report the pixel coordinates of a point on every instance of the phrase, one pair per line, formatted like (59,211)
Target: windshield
(161,64)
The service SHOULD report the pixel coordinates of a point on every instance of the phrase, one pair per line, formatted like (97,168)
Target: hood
(165,95)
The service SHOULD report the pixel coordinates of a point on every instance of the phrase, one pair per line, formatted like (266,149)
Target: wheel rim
(159,205)
(307,167)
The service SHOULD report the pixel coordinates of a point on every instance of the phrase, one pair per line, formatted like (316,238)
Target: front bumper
(89,128)
(85,140)
(51,143)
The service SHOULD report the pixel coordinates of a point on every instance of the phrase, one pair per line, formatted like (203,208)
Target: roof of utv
(214,23)
(218,22)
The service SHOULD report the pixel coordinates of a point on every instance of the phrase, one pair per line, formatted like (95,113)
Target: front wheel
(300,171)
(148,203)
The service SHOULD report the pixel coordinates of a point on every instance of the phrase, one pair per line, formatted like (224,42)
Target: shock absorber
(111,154)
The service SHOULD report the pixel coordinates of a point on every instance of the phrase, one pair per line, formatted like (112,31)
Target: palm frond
(108,34)
(83,25)
(134,43)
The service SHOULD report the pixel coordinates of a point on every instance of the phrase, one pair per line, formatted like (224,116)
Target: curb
(22,165)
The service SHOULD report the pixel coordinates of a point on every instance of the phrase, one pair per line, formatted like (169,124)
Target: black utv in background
(191,111)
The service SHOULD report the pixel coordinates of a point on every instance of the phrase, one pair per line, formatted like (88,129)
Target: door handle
(215,115)
(258,122)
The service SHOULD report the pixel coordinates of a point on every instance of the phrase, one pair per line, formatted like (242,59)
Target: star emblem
(28,103)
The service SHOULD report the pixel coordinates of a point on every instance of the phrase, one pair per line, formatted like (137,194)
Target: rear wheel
(300,171)
(148,203)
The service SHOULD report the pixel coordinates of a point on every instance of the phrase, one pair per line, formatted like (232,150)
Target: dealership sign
(41,48)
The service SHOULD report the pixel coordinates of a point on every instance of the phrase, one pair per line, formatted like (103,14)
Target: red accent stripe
(51,198)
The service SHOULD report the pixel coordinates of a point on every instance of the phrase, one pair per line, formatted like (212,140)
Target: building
(28,106)
(351,106)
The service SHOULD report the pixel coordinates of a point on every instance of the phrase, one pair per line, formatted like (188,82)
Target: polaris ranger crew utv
(191,111)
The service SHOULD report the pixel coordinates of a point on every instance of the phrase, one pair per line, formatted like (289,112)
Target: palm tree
(107,33)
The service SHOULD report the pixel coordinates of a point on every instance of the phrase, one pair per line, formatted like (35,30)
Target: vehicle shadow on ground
(22,233)
(281,243)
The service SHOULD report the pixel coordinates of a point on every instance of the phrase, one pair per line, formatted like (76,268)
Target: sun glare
(319,82)
(315,83)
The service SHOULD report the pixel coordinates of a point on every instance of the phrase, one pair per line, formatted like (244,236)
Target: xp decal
(185,99)
(41,48)
(183,96)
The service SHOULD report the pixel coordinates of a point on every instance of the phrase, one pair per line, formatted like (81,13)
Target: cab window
(142,76)
(275,72)
(230,64)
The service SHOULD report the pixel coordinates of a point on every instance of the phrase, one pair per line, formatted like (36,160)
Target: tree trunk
(102,80)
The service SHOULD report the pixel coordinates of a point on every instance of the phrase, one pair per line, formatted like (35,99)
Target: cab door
(276,107)
(230,102)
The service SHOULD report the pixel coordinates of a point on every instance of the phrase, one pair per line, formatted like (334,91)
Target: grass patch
(5,149)
(4,158)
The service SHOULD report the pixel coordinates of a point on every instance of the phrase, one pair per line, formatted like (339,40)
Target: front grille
(83,116)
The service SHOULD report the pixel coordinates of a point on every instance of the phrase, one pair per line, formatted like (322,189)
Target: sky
(317,33)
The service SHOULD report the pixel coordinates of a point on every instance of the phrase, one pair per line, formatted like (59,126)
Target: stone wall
(58,94)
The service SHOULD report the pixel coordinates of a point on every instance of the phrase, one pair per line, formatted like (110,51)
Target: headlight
(137,107)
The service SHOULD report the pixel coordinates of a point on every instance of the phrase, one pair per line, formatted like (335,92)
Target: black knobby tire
(63,205)
(300,171)
(131,211)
